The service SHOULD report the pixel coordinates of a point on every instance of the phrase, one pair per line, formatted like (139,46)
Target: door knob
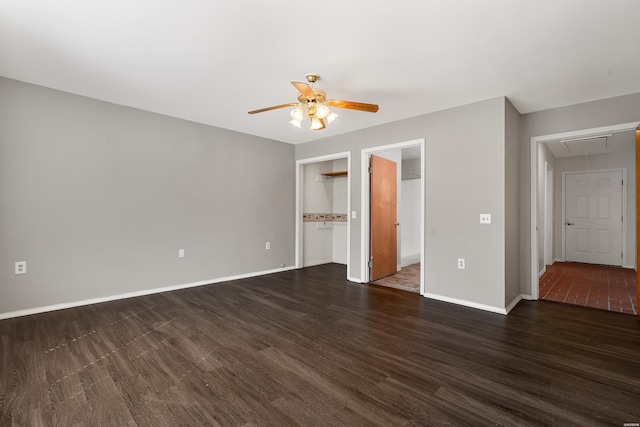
(396,224)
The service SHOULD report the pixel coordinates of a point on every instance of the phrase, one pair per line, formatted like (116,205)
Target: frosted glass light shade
(322,111)
(315,123)
(297,114)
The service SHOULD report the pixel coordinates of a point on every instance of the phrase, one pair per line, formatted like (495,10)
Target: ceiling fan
(313,103)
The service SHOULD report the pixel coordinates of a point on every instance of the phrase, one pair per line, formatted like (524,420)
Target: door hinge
(370,169)
(370,264)
(622,218)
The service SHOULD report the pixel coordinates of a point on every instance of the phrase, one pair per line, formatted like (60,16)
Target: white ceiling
(212,61)
(594,144)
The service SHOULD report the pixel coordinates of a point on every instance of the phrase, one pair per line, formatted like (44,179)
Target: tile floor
(597,286)
(408,279)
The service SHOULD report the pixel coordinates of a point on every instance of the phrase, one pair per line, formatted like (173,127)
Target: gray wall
(512,204)
(606,112)
(98,198)
(465,176)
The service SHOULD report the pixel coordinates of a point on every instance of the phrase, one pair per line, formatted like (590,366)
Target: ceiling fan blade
(304,89)
(275,107)
(361,106)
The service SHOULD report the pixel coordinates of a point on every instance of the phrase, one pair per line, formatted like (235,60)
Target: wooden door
(384,218)
(593,216)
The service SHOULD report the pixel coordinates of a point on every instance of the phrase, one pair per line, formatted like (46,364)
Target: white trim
(364,208)
(466,303)
(313,264)
(354,279)
(548,211)
(623,238)
(526,297)
(63,306)
(540,273)
(515,301)
(299,200)
(535,140)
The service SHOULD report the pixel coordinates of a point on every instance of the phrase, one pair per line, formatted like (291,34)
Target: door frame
(623,238)
(535,140)
(299,234)
(548,216)
(364,209)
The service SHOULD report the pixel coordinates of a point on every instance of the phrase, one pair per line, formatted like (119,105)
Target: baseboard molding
(630,267)
(527,297)
(544,270)
(513,303)
(313,264)
(355,279)
(465,303)
(409,259)
(63,306)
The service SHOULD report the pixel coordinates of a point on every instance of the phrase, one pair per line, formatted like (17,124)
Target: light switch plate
(485,218)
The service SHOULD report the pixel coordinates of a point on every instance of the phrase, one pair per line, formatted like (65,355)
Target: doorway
(323,201)
(589,140)
(412,151)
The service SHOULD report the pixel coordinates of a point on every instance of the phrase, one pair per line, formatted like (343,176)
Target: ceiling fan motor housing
(319,96)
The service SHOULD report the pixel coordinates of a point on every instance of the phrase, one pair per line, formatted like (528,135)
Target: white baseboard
(465,303)
(409,259)
(314,263)
(527,297)
(355,279)
(513,303)
(63,306)
(544,270)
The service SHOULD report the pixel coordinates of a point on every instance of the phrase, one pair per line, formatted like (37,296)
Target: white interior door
(593,217)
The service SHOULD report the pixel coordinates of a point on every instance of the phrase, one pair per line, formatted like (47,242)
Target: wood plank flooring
(308,348)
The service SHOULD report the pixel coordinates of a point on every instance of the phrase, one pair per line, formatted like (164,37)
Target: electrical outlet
(267,245)
(180,253)
(485,218)
(21,267)
(461,263)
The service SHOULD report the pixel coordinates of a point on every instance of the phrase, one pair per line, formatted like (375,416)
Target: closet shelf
(339,173)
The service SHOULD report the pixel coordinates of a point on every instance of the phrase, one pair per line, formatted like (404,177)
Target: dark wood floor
(308,348)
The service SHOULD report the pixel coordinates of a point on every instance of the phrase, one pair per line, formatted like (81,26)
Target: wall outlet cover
(21,267)
(485,218)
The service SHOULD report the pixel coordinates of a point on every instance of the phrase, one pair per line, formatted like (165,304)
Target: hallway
(596,286)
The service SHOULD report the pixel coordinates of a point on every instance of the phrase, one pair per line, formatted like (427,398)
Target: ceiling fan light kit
(313,103)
